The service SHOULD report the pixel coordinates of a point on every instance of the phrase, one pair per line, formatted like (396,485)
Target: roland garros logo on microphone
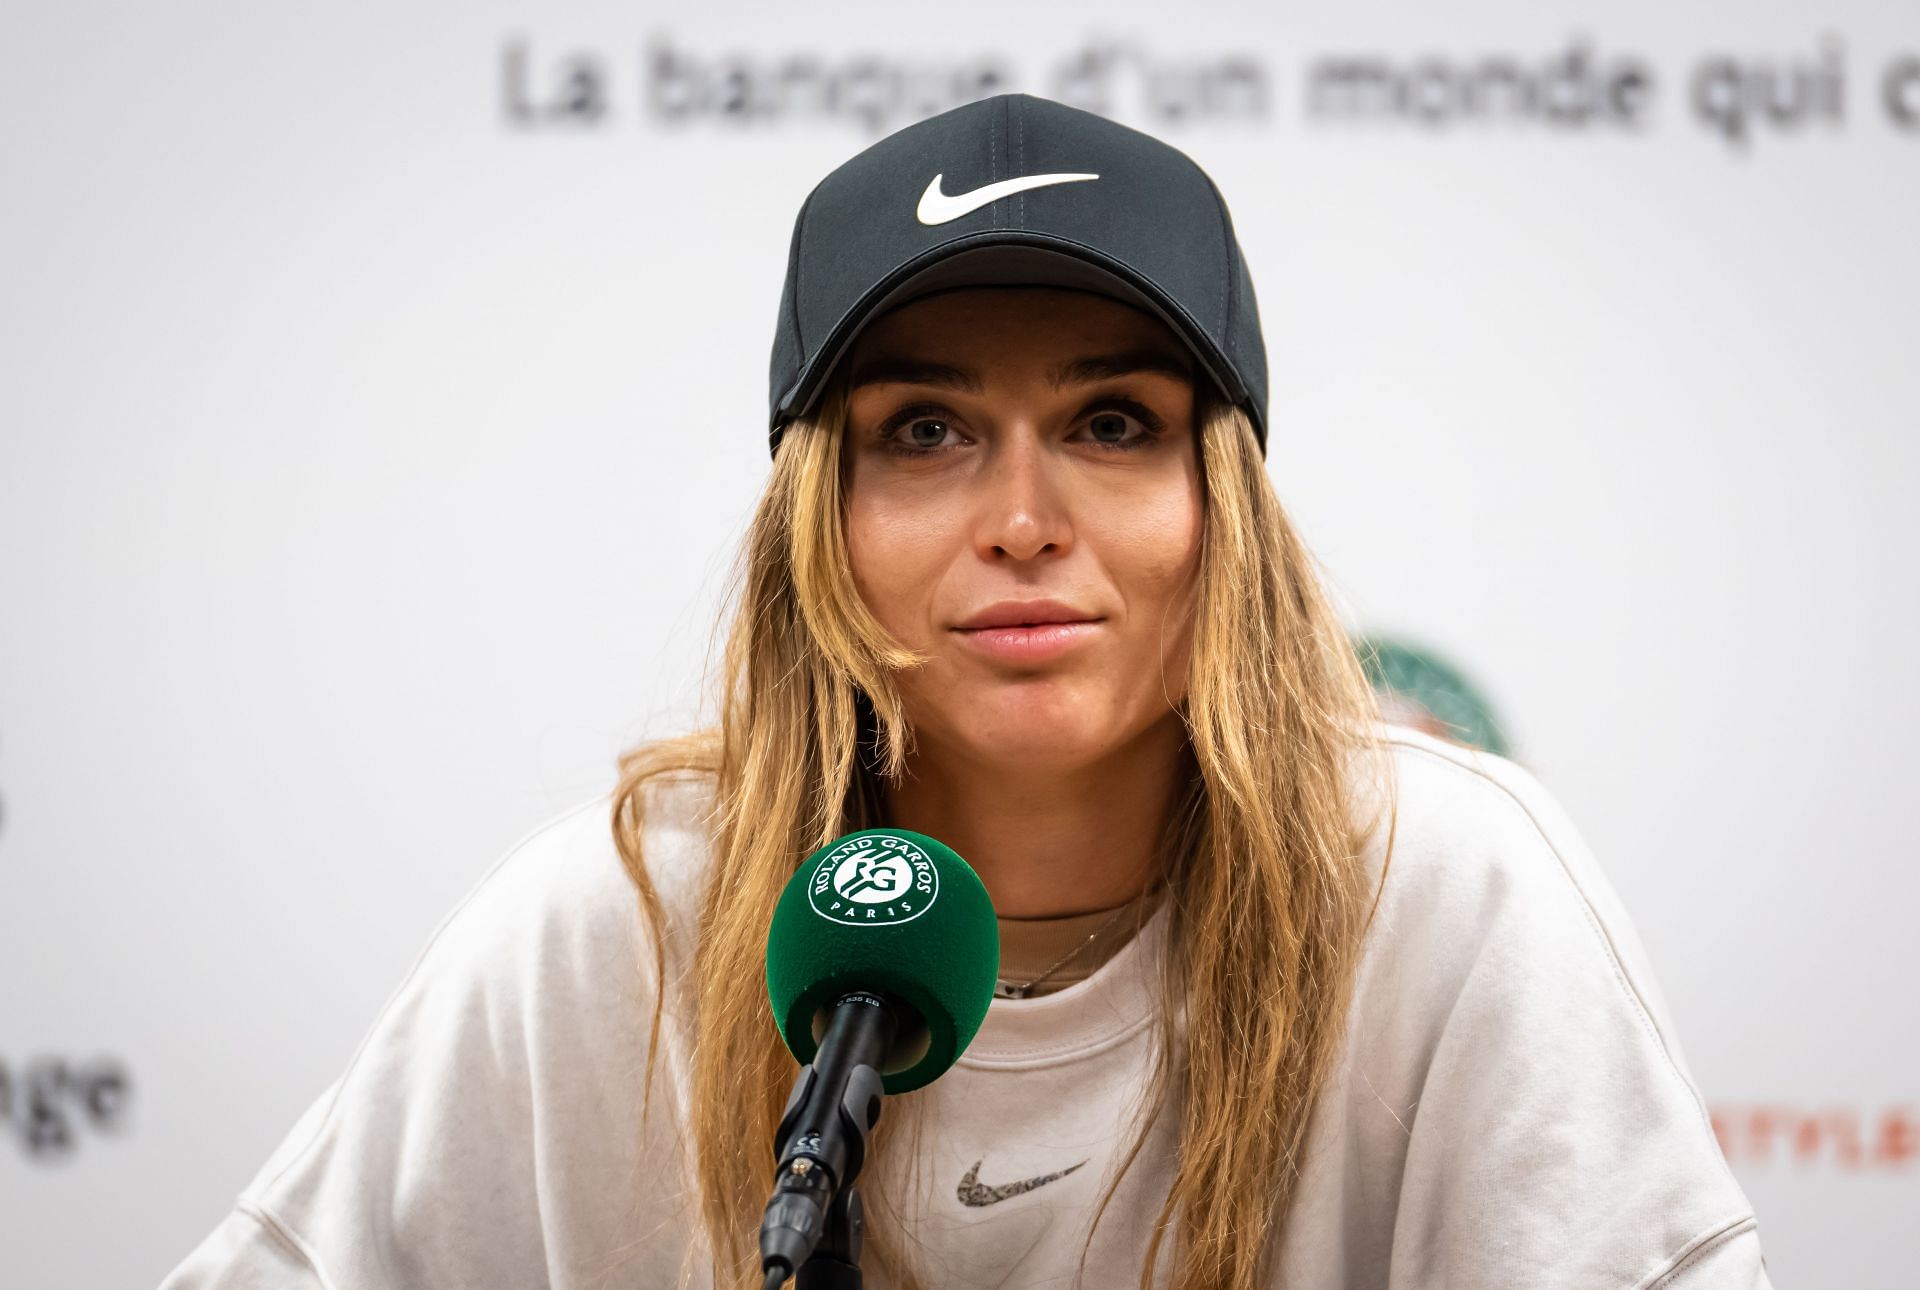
(873,879)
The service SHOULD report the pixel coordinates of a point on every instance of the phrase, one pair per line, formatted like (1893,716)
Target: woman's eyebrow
(896,369)
(1085,371)
(900,369)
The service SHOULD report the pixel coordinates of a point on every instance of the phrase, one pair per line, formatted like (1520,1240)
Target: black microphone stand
(835,1262)
(815,1214)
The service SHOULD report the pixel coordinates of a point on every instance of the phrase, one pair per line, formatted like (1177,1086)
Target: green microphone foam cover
(892,911)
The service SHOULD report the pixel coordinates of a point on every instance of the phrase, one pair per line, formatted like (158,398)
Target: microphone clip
(814,1223)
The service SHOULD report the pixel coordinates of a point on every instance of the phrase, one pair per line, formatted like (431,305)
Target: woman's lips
(1029,643)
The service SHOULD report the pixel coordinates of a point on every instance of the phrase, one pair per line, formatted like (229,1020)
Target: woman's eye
(1122,426)
(923,432)
(918,432)
(1111,429)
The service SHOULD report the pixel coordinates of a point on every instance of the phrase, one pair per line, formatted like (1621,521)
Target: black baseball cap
(1016,190)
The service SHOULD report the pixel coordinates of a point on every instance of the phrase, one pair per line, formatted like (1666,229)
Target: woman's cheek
(1158,548)
(893,570)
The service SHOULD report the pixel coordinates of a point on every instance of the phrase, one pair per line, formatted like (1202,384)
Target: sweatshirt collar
(1110,1007)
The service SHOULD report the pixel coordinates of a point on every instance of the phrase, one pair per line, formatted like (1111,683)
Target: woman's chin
(1036,736)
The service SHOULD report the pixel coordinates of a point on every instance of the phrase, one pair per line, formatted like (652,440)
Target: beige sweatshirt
(1511,1107)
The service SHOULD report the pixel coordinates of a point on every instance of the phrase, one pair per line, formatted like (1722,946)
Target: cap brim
(1004,265)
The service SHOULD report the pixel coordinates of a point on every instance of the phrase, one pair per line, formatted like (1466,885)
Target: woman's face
(1024,507)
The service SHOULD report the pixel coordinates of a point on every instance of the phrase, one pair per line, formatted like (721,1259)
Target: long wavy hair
(1268,894)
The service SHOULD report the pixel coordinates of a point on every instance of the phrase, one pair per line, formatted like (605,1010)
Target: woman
(1289,997)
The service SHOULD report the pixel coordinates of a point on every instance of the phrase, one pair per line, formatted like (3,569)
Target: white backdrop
(377,433)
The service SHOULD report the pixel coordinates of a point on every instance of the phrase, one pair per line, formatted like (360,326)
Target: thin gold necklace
(1005,989)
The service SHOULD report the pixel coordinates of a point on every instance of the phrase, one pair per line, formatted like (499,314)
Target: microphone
(881,962)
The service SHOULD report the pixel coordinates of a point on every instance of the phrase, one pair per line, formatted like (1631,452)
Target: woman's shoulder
(503,1074)
(558,915)
(1508,1038)
(1487,869)
(1451,792)
(568,875)
(1461,818)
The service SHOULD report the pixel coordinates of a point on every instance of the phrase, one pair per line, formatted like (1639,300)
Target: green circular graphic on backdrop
(1439,690)
(873,879)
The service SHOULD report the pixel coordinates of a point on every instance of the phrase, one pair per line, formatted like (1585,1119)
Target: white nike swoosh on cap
(938,208)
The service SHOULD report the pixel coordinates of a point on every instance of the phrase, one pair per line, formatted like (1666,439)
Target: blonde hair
(1268,901)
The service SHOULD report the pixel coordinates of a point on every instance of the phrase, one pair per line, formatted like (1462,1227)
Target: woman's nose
(1023,512)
